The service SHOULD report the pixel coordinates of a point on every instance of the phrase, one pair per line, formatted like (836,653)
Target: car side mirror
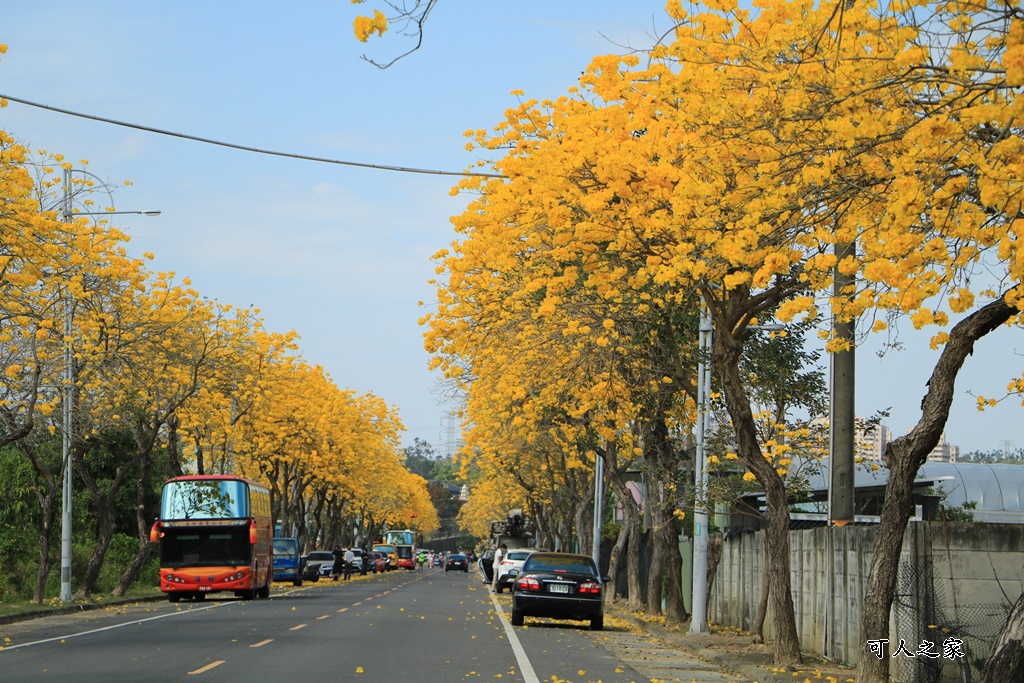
(513,573)
(606,579)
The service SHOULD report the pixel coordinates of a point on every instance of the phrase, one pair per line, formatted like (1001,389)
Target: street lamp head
(115,213)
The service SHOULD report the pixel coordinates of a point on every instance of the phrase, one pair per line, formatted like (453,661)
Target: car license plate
(558,588)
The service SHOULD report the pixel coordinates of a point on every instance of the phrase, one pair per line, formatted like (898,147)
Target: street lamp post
(699,618)
(68,376)
(598,507)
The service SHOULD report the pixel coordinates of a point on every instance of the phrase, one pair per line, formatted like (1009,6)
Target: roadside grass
(54,605)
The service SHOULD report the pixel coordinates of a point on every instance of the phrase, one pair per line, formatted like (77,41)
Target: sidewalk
(738,652)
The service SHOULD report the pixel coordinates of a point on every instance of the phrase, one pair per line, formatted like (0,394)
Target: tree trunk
(667,531)
(904,457)
(46,504)
(613,561)
(762,604)
(141,530)
(46,488)
(675,612)
(656,575)
(632,521)
(128,578)
(103,506)
(726,354)
(581,518)
(174,446)
(714,559)
(104,534)
(1007,660)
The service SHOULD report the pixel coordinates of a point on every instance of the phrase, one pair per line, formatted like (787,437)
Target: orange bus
(215,535)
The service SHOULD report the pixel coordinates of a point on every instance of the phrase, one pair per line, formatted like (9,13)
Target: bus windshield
(205,499)
(205,547)
(403,537)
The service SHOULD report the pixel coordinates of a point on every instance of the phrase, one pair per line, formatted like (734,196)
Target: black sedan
(558,586)
(457,562)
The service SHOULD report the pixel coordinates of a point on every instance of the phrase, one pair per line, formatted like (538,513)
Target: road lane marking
(110,628)
(326,616)
(343,609)
(262,643)
(525,668)
(296,628)
(206,668)
(356,604)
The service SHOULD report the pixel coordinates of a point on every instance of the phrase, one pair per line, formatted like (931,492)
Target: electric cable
(245,148)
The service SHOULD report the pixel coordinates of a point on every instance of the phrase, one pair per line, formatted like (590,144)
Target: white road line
(525,668)
(110,628)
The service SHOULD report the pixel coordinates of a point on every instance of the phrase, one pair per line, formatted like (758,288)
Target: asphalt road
(434,625)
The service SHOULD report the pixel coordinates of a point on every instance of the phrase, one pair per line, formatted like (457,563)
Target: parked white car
(513,559)
(324,560)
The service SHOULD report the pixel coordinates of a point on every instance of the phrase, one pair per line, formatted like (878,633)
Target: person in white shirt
(350,559)
(499,554)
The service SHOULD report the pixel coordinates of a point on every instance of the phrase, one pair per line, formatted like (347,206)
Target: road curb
(755,673)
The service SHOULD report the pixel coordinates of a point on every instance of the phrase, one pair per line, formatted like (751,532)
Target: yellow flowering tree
(758,154)
(39,260)
(560,358)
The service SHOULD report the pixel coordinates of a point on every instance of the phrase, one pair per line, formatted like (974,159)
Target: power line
(257,150)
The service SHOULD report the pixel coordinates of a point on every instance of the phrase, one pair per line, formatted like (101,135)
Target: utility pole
(842,419)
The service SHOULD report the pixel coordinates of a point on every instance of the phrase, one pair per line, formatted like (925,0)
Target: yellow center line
(296,628)
(356,604)
(343,609)
(206,668)
(262,643)
(326,616)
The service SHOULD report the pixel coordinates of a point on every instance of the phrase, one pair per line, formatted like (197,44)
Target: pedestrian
(366,560)
(350,558)
(499,554)
(339,558)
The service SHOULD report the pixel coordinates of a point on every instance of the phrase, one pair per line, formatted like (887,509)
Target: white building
(944,451)
(870,443)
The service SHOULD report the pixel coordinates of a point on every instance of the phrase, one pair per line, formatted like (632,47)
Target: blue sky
(339,254)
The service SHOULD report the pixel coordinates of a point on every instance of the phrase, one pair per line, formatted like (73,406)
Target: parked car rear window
(518,554)
(580,565)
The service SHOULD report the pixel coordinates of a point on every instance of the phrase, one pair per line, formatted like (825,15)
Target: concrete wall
(956,580)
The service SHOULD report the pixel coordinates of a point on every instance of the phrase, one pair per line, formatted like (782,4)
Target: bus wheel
(263,592)
(198,597)
(173,597)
